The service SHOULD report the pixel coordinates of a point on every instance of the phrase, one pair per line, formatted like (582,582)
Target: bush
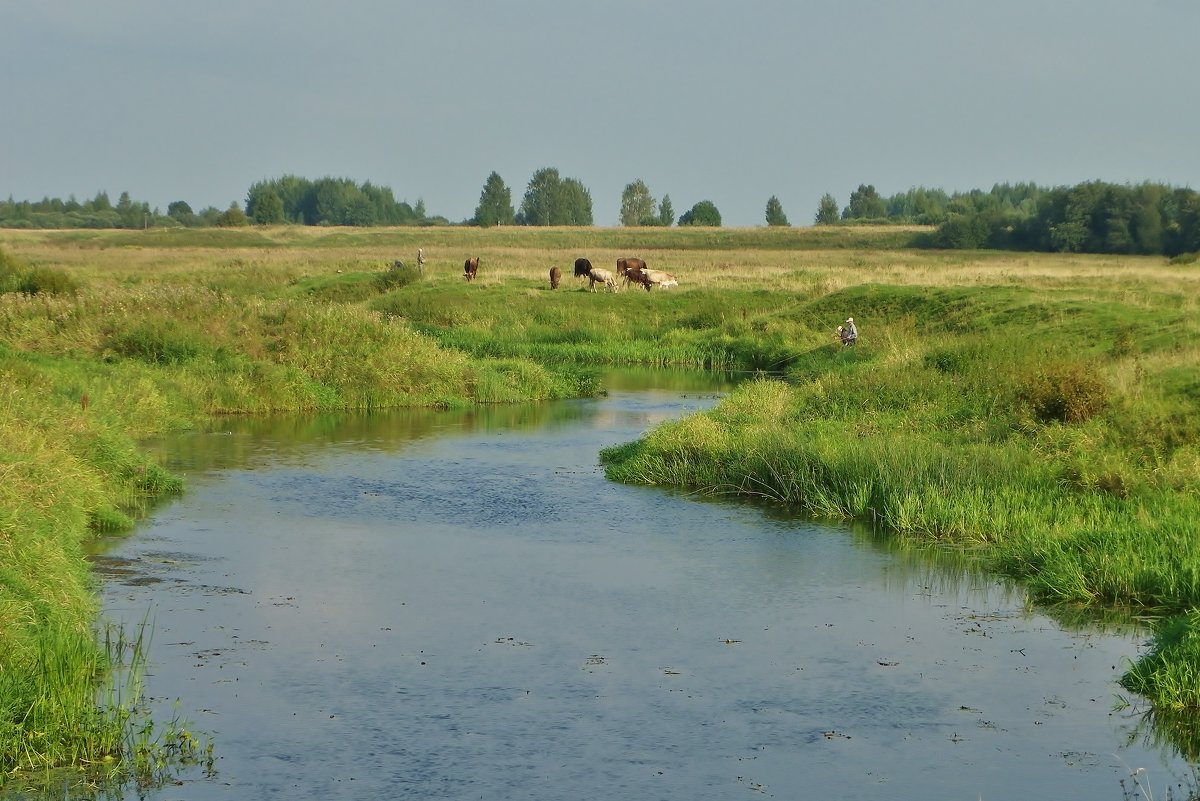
(155,343)
(948,360)
(48,281)
(399,275)
(11,271)
(16,276)
(1069,393)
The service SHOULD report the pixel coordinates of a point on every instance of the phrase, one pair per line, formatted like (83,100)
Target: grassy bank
(1040,409)
(1054,427)
(101,345)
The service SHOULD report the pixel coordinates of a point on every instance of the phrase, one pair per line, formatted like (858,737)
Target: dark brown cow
(470,267)
(582,267)
(638,276)
(629,264)
(633,270)
(555,277)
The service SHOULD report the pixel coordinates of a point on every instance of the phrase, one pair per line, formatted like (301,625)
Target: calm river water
(426,605)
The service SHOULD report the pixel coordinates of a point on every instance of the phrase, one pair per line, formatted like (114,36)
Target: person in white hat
(849,332)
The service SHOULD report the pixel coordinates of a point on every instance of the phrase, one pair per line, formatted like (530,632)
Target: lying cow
(555,277)
(470,267)
(602,276)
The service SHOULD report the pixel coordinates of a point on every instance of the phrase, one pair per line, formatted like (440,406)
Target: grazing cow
(659,278)
(555,277)
(601,276)
(638,276)
(633,271)
(630,270)
(582,267)
(629,264)
(470,267)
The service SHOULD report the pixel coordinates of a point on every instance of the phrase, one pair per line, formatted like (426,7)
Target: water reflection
(450,605)
(1168,732)
(243,441)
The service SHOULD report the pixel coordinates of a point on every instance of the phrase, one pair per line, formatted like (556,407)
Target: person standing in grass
(849,332)
(420,260)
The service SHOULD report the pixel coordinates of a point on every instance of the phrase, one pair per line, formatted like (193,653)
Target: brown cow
(582,267)
(629,264)
(633,270)
(555,277)
(470,267)
(636,276)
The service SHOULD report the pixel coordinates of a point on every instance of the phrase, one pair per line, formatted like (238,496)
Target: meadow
(1041,411)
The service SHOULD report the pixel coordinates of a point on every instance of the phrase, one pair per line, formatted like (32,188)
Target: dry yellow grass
(767,260)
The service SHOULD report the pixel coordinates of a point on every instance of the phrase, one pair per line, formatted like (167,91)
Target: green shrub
(400,275)
(17,276)
(11,271)
(155,343)
(48,281)
(1067,393)
(948,360)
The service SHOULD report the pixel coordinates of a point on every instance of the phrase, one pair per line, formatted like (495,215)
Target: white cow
(598,275)
(660,279)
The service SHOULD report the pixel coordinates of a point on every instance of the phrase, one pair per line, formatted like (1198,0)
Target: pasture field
(1042,410)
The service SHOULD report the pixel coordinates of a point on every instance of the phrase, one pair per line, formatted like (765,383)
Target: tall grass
(1040,410)
(1018,424)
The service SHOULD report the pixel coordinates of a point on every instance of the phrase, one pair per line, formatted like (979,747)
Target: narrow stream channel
(422,604)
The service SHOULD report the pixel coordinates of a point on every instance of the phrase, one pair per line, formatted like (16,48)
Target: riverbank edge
(153,374)
(73,470)
(1009,507)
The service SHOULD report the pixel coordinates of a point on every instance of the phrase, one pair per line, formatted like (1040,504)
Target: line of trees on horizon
(1091,217)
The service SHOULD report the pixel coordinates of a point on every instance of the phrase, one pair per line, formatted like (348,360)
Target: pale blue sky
(724,101)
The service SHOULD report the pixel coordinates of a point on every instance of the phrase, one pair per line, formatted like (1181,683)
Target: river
(458,605)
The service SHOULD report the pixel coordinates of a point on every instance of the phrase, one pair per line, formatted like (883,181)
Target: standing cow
(470,267)
(555,277)
(582,267)
(632,270)
(602,276)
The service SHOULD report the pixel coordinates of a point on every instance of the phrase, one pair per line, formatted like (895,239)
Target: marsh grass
(87,725)
(1039,410)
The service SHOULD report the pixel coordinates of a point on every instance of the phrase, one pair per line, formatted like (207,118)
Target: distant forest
(1091,217)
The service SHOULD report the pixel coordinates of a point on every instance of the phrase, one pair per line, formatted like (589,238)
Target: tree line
(552,200)
(1091,217)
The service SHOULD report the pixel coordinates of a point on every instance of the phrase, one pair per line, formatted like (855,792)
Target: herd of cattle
(630,271)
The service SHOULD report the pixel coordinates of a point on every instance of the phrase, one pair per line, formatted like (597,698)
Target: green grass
(1039,411)
(1011,422)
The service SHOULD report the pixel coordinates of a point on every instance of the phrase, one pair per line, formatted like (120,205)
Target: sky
(732,102)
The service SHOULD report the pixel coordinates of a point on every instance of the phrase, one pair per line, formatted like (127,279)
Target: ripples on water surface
(445,605)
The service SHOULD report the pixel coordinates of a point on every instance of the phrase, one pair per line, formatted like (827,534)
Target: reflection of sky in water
(477,612)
